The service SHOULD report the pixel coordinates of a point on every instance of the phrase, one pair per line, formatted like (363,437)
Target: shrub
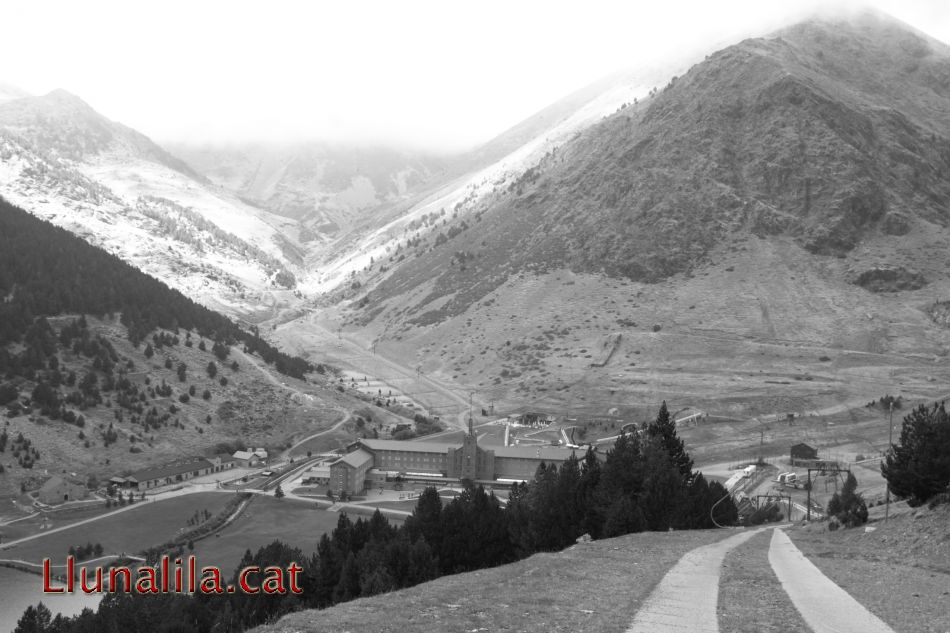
(848,507)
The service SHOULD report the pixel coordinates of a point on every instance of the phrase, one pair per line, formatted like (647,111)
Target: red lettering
(147,582)
(211,580)
(246,587)
(47,577)
(274,582)
(114,574)
(164,574)
(294,570)
(82,581)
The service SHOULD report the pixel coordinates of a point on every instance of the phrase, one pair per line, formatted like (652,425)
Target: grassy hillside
(899,571)
(547,592)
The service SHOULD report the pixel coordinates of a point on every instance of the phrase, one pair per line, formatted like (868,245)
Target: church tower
(469,468)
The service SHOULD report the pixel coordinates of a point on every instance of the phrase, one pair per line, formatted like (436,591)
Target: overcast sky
(436,74)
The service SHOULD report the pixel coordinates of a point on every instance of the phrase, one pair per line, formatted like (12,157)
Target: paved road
(686,599)
(826,607)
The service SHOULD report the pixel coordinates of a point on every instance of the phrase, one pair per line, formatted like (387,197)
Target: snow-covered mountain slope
(66,163)
(328,188)
(491,168)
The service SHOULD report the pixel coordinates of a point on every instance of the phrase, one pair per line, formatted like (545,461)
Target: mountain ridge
(62,121)
(646,193)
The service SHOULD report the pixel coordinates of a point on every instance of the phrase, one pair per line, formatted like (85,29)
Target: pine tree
(591,520)
(426,518)
(623,516)
(279,492)
(545,509)
(663,498)
(566,497)
(919,467)
(35,620)
(622,473)
(664,428)
(349,586)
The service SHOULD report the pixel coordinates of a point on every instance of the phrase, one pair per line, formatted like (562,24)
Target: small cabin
(804,451)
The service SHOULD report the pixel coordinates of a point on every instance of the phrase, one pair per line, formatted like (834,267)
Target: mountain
(827,133)
(342,194)
(309,213)
(472,177)
(776,189)
(103,367)
(112,185)
(64,123)
(327,188)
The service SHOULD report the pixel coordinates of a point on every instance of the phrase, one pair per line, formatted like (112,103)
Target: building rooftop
(357,458)
(52,482)
(539,451)
(178,467)
(415,447)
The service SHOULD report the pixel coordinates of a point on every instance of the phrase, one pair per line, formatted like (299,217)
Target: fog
(433,75)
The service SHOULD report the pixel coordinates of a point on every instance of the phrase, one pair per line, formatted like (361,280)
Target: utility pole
(471,418)
(890,442)
(808,502)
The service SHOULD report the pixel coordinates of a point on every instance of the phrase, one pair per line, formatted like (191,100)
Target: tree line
(46,270)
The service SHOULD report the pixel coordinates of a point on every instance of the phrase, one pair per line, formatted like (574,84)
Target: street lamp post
(890,442)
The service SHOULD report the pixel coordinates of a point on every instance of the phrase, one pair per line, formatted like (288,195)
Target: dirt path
(333,428)
(416,385)
(685,600)
(826,607)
